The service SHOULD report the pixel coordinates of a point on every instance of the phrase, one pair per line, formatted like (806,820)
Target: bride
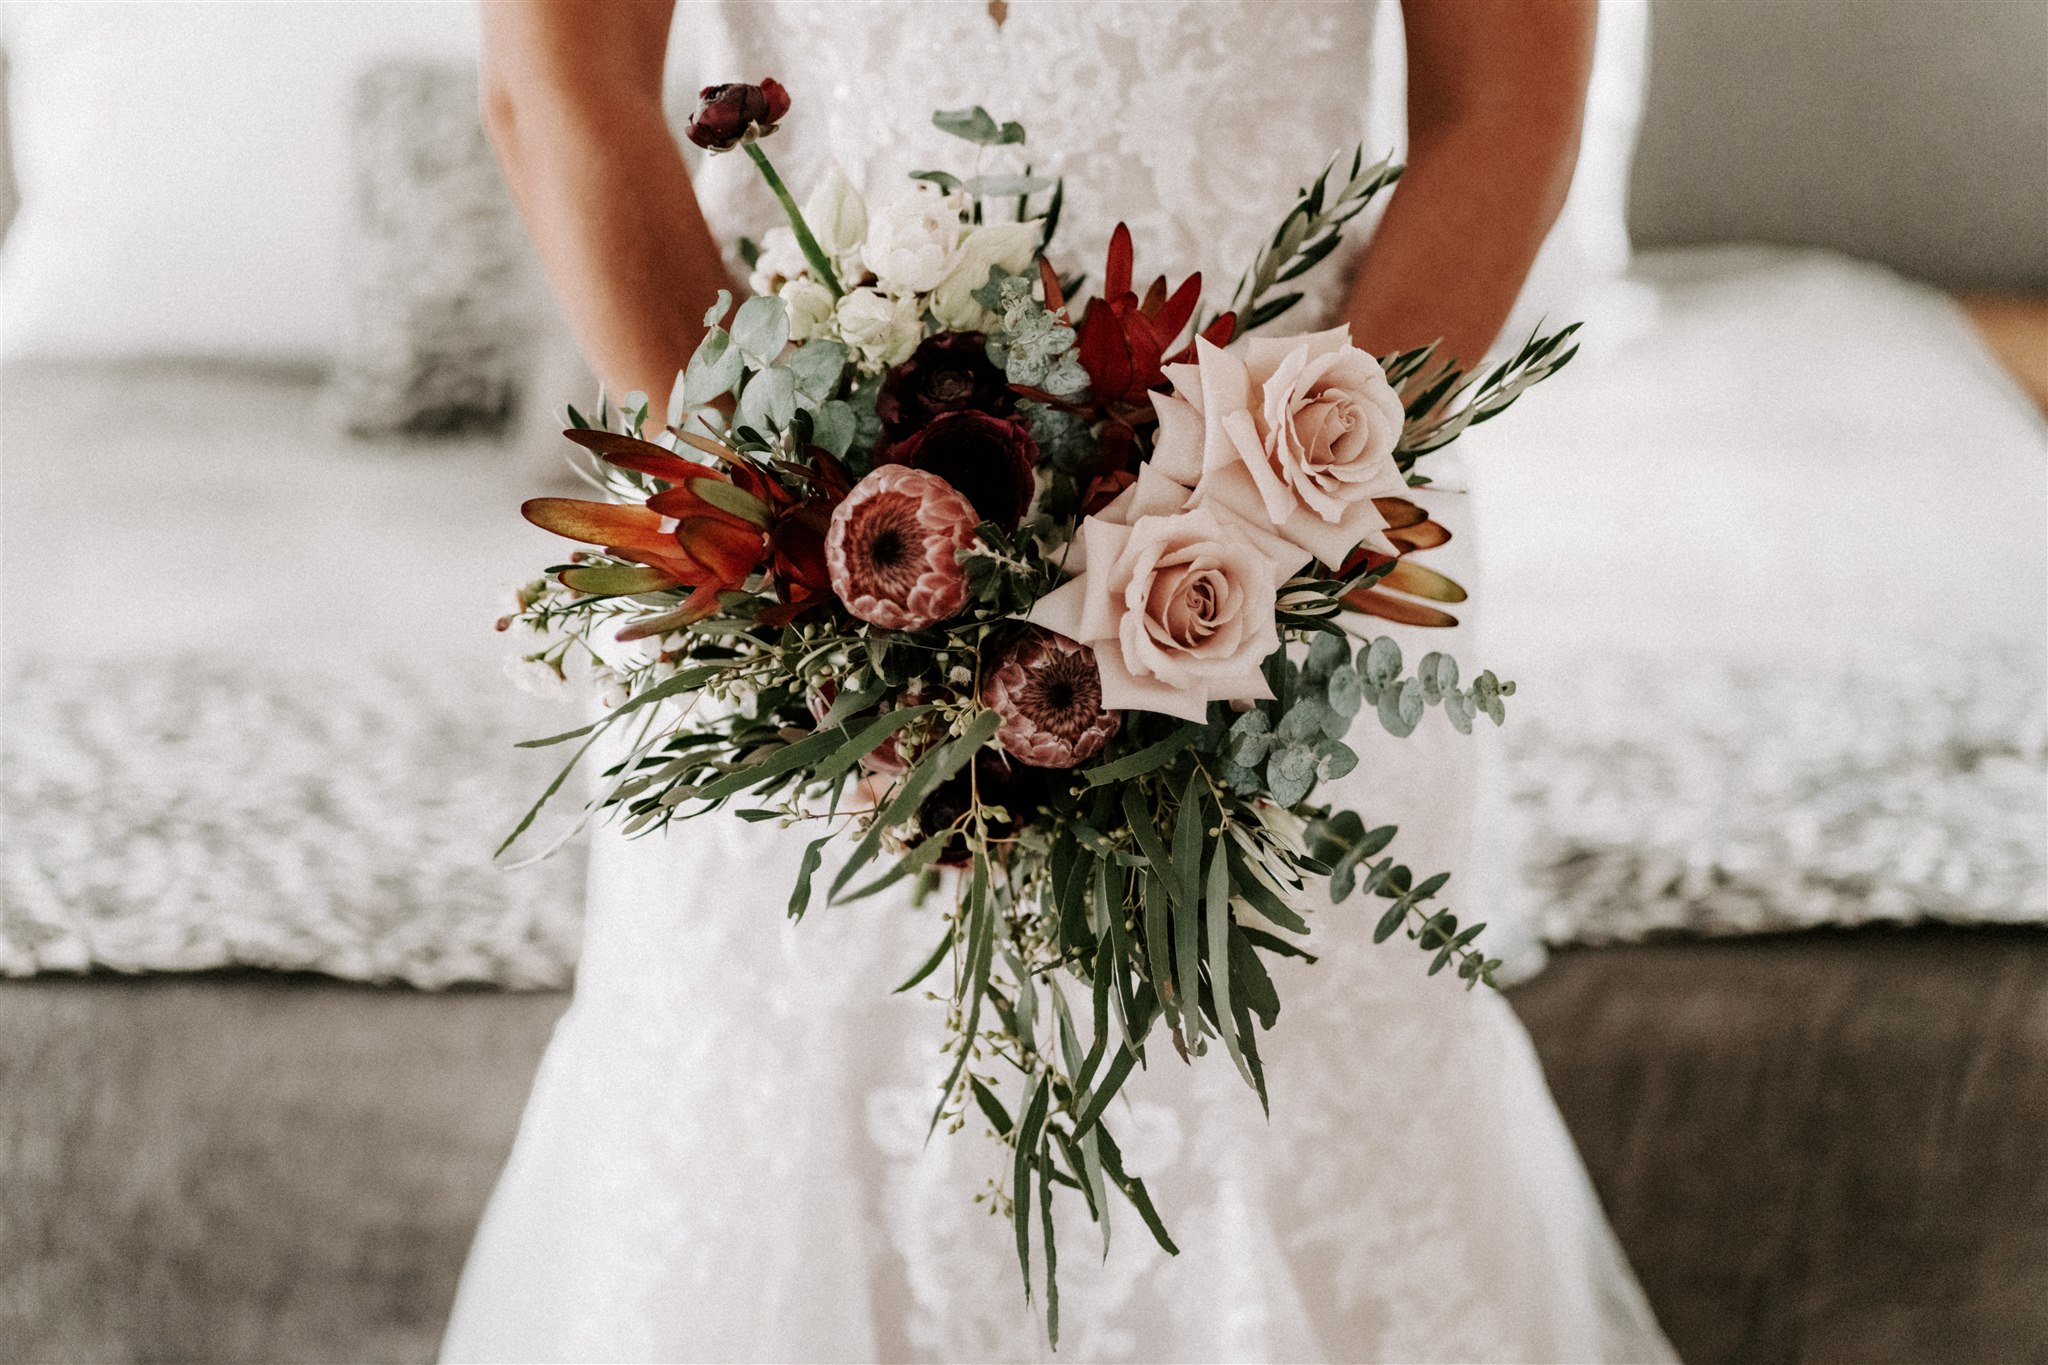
(723,1157)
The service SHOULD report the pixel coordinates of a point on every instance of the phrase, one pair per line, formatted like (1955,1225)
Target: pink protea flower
(893,550)
(1049,694)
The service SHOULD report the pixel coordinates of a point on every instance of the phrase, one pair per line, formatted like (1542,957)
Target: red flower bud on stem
(731,115)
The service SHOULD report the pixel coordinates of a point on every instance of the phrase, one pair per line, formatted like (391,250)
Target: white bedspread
(1772,575)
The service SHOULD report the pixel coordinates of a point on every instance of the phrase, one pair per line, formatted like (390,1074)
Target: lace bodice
(1196,124)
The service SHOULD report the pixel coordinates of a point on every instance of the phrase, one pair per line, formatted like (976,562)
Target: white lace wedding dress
(723,1158)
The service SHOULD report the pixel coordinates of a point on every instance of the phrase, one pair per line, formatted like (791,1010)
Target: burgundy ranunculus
(949,372)
(730,115)
(893,549)
(990,459)
(1019,790)
(1049,693)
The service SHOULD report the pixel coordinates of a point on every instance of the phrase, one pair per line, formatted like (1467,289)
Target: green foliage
(1029,342)
(1443,399)
(1309,233)
(978,126)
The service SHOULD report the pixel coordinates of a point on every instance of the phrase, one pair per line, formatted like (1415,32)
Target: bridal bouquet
(965,576)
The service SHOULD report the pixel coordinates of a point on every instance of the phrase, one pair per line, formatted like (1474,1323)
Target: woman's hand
(572,101)
(1496,90)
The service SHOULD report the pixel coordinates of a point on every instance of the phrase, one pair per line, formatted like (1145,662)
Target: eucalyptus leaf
(1334,759)
(1401,708)
(1343,693)
(800,894)
(713,370)
(834,427)
(819,364)
(1291,771)
(761,328)
(768,403)
(1382,661)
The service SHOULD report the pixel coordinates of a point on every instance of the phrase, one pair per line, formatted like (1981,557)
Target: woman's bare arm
(1496,90)
(572,100)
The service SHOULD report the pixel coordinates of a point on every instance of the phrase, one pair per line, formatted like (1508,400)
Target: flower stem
(812,251)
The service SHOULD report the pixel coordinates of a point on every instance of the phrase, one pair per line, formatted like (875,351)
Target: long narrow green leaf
(991,1107)
(1091,1153)
(800,895)
(1070,1042)
(687,681)
(1112,1079)
(1113,958)
(1052,1258)
(1187,870)
(909,865)
(1099,990)
(1134,1190)
(1077,1162)
(866,740)
(533,811)
(931,964)
(980,941)
(1144,760)
(1139,816)
(934,768)
(1219,959)
(785,760)
(1020,1187)
(1159,944)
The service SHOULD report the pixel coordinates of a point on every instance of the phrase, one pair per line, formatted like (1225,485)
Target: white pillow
(1578,274)
(183,171)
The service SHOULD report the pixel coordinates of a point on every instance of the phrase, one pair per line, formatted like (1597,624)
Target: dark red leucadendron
(1123,338)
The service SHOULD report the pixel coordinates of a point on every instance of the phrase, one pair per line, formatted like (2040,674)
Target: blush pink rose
(1298,435)
(893,548)
(1177,601)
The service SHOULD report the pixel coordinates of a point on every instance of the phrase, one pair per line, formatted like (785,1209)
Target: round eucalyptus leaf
(1334,760)
(1325,655)
(1382,661)
(1343,692)
(761,328)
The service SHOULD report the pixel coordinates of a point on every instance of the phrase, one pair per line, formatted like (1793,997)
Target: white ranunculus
(1177,601)
(781,260)
(1009,245)
(910,242)
(837,215)
(880,329)
(1298,435)
(810,309)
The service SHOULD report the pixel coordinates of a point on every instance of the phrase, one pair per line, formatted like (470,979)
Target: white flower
(1177,601)
(780,261)
(1009,245)
(910,243)
(880,329)
(810,309)
(1298,435)
(837,216)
